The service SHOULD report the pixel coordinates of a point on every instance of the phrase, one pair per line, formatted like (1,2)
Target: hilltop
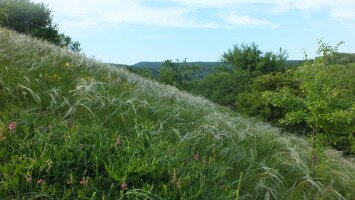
(74,128)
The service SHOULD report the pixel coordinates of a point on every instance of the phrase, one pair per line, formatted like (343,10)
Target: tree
(252,59)
(325,102)
(252,102)
(34,19)
(222,86)
(176,73)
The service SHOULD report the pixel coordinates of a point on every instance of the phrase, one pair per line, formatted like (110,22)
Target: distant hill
(343,58)
(205,67)
(155,65)
(212,65)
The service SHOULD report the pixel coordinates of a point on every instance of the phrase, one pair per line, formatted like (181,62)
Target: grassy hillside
(71,127)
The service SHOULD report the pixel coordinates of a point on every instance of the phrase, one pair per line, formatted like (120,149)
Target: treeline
(34,19)
(315,99)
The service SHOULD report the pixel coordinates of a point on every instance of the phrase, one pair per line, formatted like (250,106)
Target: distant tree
(144,72)
(34,19)
(169,73)
(241,65)
(222,86)
(176,73)
(252,59)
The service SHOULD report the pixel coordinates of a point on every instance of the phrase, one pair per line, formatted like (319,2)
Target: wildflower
(70,181)
(12,126)
(124,186)
(84,181)
(197,157)
(29,178)
(40,181)
(118,141)
(49,164)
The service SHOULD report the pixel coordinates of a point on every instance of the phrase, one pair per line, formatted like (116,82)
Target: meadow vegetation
(74,128)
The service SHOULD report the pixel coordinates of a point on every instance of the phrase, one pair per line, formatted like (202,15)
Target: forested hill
(204,65)
(204,68)
(155,65)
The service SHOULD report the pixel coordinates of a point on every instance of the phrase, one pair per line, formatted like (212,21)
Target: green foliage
(34,19)
(144,72)
(252,59)
(325,102)
(253,104)
(342,58)
(176,73)
(242,64)
(222,86)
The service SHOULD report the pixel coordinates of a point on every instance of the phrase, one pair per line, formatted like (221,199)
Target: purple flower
(118,141)
(40,181)
(84,181)
(124,186)
(12,126)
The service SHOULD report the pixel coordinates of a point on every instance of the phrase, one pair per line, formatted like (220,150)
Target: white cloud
(81,13)
(338,9)
(71,14)
(235,20)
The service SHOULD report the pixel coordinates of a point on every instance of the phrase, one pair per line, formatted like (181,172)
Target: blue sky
(129,31)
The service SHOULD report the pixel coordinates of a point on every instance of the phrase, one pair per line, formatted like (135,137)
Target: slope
(74,128)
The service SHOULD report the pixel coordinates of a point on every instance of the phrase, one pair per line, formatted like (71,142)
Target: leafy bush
(176,73)
(253,104)
(325,102)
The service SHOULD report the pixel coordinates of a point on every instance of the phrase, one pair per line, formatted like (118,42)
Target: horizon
(129,32)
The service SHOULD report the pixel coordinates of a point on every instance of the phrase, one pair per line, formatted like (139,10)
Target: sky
(130,31)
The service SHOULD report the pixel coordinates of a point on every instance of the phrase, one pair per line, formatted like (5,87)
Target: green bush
(325,102)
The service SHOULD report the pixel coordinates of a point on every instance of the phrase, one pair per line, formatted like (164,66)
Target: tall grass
(88,130)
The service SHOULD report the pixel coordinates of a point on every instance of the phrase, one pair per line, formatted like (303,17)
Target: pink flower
(12,126)
(197,157)
(118,141)
(124,186)
(84,181)
(40,181)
